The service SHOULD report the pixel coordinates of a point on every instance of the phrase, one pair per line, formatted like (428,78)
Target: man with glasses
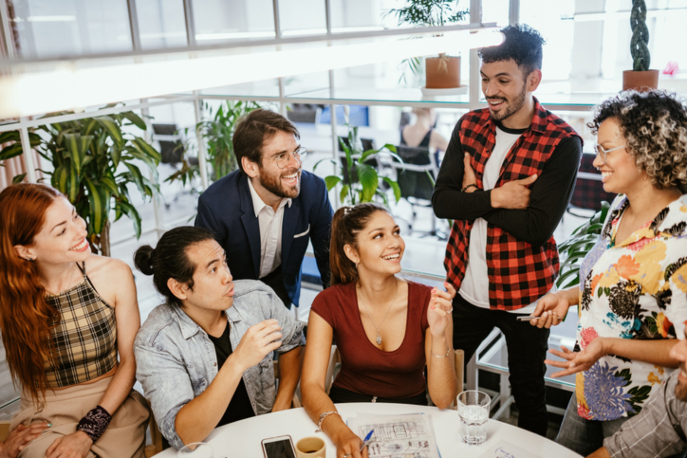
(265,213)
(506,181)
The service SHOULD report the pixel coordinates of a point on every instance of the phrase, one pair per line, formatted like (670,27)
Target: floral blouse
(633,289)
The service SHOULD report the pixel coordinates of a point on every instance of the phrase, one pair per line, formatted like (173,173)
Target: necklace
(379,338)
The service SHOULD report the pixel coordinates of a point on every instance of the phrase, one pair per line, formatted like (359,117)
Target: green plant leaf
(369,180)
(394,186)
(328,159)
(135,119)
(345,190)
(136,176)
(11,151)
(132,213)
(18,178)
(76,146)
(99,204)
(109,183)
(331,181)
(112,129)
(89,126)
(147,149)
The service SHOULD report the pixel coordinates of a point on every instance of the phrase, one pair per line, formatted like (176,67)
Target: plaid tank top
(84,340)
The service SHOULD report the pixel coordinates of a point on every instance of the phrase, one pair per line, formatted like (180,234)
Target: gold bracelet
(324,415)
(442,356)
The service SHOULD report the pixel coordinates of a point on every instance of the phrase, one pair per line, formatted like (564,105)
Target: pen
(367,440)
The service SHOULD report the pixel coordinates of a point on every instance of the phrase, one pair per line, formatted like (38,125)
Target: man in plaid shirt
(506,181)
(659,430)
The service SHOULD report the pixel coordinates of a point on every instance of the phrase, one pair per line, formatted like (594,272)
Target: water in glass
(473,409)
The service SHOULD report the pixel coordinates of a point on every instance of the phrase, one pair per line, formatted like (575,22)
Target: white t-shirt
(475,286)
(270,223)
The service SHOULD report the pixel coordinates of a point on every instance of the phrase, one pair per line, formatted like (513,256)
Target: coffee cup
(311,447)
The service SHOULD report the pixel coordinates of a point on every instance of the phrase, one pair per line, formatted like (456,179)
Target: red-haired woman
(65,317)
(387,329)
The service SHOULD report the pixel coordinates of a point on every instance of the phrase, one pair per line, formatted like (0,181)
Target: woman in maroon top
(386,329)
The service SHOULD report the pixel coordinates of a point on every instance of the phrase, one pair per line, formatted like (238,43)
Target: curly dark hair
(523,44)
(654,125)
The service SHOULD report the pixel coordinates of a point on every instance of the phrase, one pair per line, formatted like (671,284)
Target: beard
(274,185)
(512,105)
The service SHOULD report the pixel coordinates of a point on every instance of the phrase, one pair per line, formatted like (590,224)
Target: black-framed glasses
(598,149)
(284,158)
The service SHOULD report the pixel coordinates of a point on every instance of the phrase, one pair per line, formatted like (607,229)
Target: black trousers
(527,346)
(275,280)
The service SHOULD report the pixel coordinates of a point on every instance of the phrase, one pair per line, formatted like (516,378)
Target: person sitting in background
(633,299)
(205,356)
(422,132)
(387,329)
(659,430)
(68,320)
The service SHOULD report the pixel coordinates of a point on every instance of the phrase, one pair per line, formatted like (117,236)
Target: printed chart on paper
(397,436)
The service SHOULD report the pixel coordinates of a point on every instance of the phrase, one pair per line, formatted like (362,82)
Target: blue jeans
(585,436)
(527,346)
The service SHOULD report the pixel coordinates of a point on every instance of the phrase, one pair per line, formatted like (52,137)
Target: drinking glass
(473,409)
(196,450)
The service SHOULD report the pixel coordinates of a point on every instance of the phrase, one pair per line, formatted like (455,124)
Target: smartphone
(278,447)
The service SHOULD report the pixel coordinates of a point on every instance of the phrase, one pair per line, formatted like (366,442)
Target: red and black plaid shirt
(519,273)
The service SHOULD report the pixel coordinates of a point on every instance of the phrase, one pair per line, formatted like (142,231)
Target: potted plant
(93,163)
(360,181)
(217,132)
(640,77)
(441,72)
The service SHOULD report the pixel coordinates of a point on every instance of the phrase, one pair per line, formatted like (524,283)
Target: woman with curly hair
(68,320)
(633,302)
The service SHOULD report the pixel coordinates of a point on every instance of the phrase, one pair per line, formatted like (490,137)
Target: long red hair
(25,315)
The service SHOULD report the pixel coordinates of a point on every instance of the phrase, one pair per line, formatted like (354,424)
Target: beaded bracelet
(324,415)
(94,423)
(473,185)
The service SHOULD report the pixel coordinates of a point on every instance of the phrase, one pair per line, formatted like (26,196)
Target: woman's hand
(348,446)
(578,362)
(552,308)
(74,445)
(19,437)
(440,308)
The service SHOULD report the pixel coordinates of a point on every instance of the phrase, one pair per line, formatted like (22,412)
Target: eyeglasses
(604,152)
(285,158)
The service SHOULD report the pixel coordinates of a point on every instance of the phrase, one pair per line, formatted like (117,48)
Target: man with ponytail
(264,213)
(205,356)
(68,320)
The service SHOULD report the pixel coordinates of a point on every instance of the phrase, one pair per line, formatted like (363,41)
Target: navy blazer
(226,209)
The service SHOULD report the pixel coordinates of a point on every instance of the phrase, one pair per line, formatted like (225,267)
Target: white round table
(242,438)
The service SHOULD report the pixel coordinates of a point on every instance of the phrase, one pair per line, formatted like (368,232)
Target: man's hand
(19,437)
(74,445)
(258,342)
(513,195)
(469,176)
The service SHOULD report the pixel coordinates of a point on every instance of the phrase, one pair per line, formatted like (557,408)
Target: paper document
(397,436)
(505,449)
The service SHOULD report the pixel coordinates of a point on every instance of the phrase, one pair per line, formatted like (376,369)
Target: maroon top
(365,369)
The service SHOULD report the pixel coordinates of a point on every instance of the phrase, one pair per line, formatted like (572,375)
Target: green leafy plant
(15,149)
(639,45)
(217,131)
(578,245)
(93,162)
(360,181)
(427,13)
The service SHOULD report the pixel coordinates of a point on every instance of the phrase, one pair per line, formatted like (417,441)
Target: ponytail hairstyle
(25,315)
(346,224)
(170,260)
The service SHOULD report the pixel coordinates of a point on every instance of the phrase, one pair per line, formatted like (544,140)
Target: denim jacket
(176,361)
